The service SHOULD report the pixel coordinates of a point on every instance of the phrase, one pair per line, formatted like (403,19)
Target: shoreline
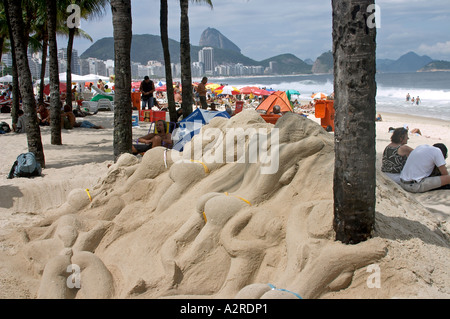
(413,117)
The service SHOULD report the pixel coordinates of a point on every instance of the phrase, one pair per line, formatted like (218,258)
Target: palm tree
(16,24)
(55,103)
(355,89)
(121,18)
(89,8)
(185,56)
(3,28)
(168,69)
(7,33)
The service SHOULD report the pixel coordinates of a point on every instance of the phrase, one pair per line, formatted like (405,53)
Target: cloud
(266,28)
(439,48)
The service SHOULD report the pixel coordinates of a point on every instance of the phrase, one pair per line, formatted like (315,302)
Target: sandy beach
(216,231)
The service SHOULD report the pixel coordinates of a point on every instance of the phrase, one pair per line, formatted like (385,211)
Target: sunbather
(161,138)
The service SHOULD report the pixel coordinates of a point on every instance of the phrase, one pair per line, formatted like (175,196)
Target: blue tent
(191,126)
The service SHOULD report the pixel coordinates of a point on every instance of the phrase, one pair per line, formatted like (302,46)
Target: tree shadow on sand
(84,154)
(400,228)
(7,195)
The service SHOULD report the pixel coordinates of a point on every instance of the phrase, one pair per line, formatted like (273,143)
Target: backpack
(5,127)
(25,166)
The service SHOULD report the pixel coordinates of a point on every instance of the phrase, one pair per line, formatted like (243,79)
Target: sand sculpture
(164,228)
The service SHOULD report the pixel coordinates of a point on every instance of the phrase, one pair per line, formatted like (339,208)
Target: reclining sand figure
(70,240)
(247,187)
(231,234)
(228,214)
(317,267)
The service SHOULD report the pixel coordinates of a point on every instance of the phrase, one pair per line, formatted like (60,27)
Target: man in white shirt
(415,176)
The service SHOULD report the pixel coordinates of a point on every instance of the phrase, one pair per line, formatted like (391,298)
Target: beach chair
(169,129)
(105,104)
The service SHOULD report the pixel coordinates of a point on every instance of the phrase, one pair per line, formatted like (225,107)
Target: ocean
(433,88)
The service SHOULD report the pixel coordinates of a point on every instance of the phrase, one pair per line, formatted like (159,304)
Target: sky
(266,28)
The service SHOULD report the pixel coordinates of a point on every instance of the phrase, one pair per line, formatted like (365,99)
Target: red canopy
(161,88)
(62,88)
(135,85)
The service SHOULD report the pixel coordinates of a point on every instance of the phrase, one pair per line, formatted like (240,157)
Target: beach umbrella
(261,92)
(218,89)
(212,86)
(248,89)
(228,89)
(292,92)
(319,96)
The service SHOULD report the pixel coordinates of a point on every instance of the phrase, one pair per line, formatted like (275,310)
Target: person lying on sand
(68,120)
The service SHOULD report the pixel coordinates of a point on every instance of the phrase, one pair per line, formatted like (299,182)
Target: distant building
(75,64)
(206,56)
(197,69)
(273,67)
(109,67)
(93,66)
(34,65)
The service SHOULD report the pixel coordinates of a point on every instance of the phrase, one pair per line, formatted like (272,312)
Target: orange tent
(277,98)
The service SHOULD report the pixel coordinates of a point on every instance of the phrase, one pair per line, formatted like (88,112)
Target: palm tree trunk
(185,59)
(43,66)
(15,82)
(121,16)
(168,68)
(14,13)
(55,103)
(2,41)
(69,67)
(355,89)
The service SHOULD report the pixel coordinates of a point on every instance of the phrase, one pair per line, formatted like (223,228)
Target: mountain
(213,38)
(324,63)
(146,47)
(383,64)
(287,64)
(436,66)
(409,62)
